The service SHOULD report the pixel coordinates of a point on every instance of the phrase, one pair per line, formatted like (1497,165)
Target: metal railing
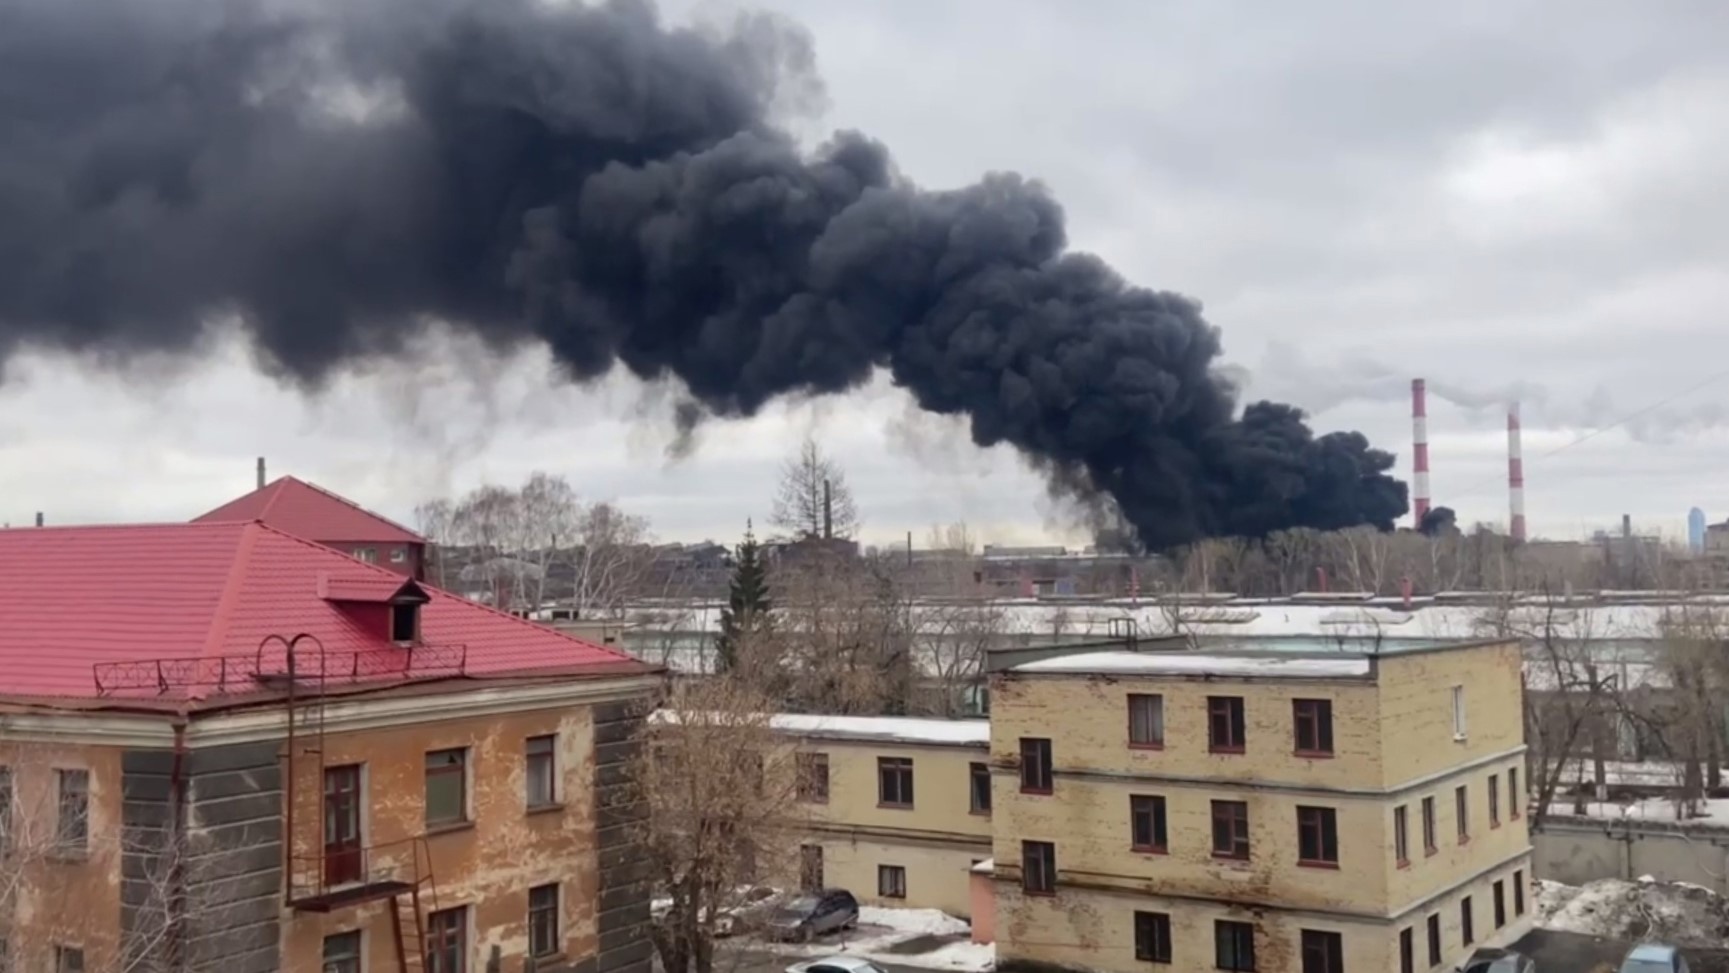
(257,670)
(394,867)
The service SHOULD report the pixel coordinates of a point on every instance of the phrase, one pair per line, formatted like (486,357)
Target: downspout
(176,905)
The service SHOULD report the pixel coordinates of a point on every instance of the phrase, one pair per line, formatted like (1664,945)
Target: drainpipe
(177,787)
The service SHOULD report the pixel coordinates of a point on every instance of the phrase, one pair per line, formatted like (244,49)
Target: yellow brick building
(1337,812)
(894,810)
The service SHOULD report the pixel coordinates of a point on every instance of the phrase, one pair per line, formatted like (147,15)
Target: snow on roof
(881,729)
(1199,664)
(986,867)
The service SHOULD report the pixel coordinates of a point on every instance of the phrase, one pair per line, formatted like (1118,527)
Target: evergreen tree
(748,611)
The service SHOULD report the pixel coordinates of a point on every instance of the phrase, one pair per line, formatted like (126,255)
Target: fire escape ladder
(409,932)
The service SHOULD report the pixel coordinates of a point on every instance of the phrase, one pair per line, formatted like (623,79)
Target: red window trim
(1236,749)
(1305,863)
(1314,754)
(1146,746)
(1401,863)
(1149,849)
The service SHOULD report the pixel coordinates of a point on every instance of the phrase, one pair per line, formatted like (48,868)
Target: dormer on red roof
(192,612)
(314,513)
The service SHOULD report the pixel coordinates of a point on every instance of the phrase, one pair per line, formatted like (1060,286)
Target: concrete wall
(1453,861)
(1580,850)
(941,794)
(1416,708)
(937,874)
(1088,719)
(487,864)
(62,896)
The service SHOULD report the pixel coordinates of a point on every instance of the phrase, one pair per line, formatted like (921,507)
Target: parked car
(813,914)
(836,964)
(1491,960)
(1654,958)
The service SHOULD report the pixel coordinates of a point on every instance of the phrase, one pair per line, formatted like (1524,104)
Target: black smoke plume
(590,178)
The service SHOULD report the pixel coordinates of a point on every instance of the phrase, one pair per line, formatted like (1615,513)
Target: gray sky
(1495,196)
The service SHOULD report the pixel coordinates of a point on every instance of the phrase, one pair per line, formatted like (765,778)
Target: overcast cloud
(1510,196)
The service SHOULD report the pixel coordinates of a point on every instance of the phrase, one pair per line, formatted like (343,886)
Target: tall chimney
(1419,451)
(38,518)
(1627,525)
(260,472)
(1515,476)
(827,512)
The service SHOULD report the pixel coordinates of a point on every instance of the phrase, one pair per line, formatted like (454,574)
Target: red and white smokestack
(1419,451)
(1515,475)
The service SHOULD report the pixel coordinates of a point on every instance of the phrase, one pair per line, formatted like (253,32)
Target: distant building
(1259,811)
(315,514)
(1696,530)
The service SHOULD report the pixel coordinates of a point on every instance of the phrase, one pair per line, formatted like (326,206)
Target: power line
(1600,430)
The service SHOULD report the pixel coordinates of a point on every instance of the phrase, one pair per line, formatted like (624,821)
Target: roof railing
(252,671)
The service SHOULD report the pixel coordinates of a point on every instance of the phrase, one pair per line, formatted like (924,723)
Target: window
(1467,935)
(810,871)
(540,771)
(1233,945)
(1317,836)
(1494,801)
(405,622)
(1500,903)
(1146,723)
(1230,829)
(1039,867)
(543,920)
(1225,724)
(1313,719)
(342,952)
(1323,952)
(1458,712)
(447,786)
(1435,940)
(1401,837)
(1513,793)
(447,941)
(1035,765)
(72,827)
(895,781)
(1462,811)
(1519,893)
(1428,826)
(1152,937)
(367,554)
(344,860)
(979,784)
(1407,952)
(813,777)
(68,959)
(398,555)
(1147,823)
(891,881)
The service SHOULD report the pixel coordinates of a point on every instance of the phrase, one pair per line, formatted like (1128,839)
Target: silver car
(1654,958)
(836,964)
(1489,960)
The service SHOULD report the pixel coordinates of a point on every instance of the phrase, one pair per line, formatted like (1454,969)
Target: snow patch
(884,729)
(1712,811)
(1671,912)
(1195,663)
(913,922)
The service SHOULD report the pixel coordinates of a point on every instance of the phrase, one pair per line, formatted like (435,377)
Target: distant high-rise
(1696,530)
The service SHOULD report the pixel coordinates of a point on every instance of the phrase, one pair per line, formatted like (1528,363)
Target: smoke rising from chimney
(336,176)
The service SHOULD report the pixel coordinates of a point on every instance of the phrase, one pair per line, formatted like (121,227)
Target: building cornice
(1285,787)
(350,714)
(869,833)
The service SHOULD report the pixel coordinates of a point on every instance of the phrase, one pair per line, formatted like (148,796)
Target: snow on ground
(1671,912)
(880,930)
(1712,811)
(914,922)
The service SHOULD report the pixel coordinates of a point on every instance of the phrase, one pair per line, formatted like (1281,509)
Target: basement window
(405,623)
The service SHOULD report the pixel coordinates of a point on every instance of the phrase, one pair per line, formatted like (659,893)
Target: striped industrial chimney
(1419,452)
(1515,475)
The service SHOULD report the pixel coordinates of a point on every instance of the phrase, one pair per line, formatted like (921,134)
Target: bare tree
(813,499)
(847,630)
(722,793)
(434,518)
(610,562)
(51,850)
(956,625)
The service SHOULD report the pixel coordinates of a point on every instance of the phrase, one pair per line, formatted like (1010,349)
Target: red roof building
(305,510)
(345,768)
(90,605)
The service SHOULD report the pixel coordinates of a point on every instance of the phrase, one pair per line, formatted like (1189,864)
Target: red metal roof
(74,598)
(312,512)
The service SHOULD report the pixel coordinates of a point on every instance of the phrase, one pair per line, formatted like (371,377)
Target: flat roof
(1274,665)
(874,729)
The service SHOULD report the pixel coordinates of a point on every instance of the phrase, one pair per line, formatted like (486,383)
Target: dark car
(812,914)
(1498,961)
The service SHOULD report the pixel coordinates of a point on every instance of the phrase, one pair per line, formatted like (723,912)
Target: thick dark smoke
(589,178)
